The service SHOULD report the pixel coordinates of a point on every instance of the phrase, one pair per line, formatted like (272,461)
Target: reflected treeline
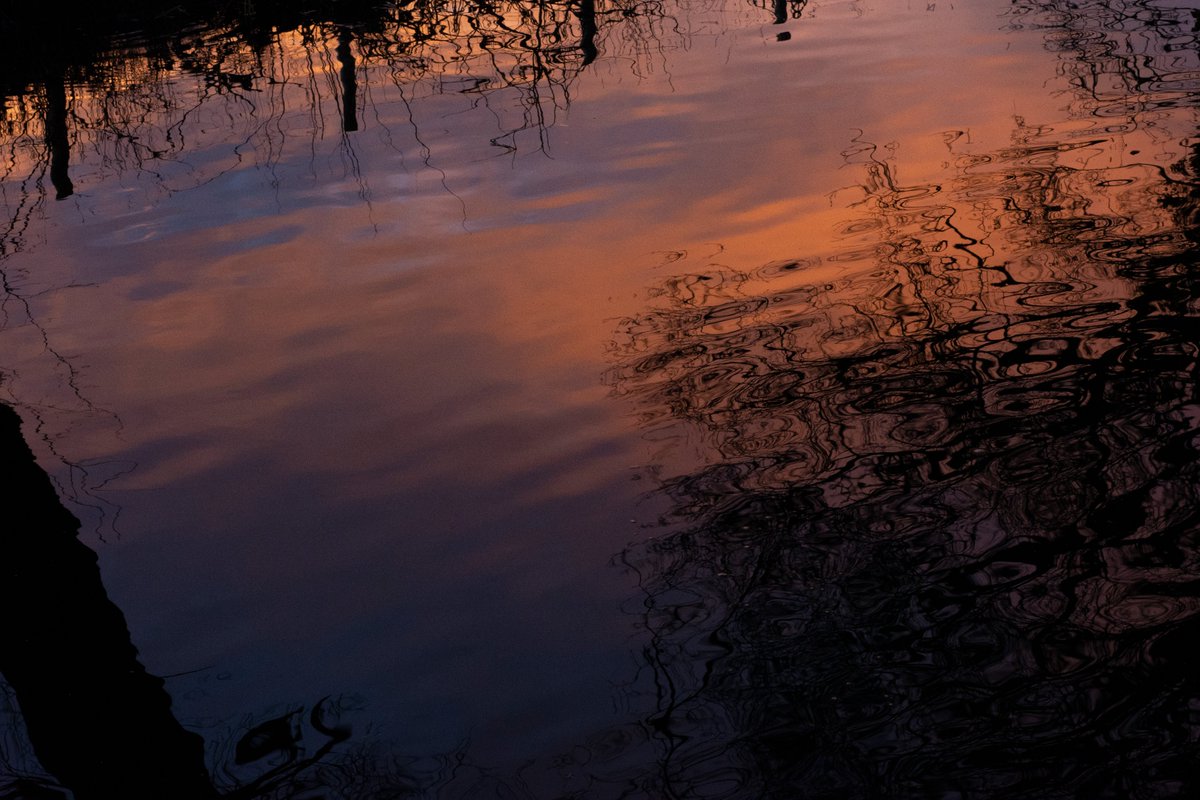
(102,84)
(939,534)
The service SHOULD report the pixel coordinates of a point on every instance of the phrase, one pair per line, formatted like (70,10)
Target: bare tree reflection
(942,537)
(102,90)
(107,88)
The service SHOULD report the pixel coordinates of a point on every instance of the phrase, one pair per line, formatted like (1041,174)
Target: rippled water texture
(604,400)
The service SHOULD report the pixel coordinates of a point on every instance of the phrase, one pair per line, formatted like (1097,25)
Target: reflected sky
(371,411)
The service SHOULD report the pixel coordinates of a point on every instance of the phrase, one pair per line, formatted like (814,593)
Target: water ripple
(943,541)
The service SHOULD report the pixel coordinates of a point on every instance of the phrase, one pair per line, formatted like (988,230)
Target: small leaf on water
(326,718)
(273,736)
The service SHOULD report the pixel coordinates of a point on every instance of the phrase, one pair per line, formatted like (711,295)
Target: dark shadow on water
(98,724)
(96,720)
(943,537)
(946,540)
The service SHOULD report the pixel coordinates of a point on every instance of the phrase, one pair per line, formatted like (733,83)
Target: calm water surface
(607,399)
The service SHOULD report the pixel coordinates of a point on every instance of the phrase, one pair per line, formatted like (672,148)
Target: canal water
(618,398)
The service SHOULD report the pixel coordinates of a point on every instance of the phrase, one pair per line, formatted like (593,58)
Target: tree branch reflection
(111,94)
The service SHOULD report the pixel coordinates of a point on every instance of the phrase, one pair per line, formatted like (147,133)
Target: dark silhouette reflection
(96,720)
(98,723)
(941,537)
(349,83)
(56,138)
(586,13)
(787,9)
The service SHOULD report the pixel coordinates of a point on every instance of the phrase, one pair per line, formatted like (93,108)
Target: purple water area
(599,399)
